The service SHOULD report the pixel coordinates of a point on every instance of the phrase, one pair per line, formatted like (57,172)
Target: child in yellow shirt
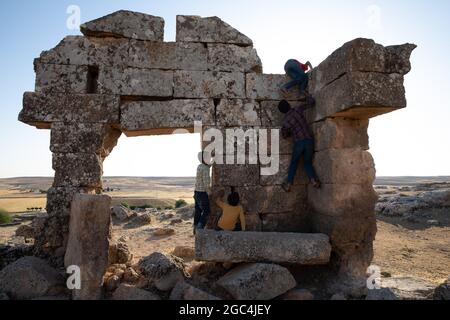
(231,213)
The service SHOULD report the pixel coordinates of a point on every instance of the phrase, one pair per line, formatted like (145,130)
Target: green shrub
(180,203)
(5,217)
(126,205)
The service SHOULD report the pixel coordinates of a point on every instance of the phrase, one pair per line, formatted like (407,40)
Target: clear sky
(413,141)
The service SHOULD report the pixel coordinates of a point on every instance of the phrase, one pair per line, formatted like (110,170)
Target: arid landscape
(413,219)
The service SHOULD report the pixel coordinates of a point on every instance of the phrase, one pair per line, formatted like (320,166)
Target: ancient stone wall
(120,77)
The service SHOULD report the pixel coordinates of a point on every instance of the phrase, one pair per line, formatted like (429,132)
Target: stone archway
(116,78)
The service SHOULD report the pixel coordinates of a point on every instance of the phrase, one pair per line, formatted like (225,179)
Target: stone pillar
(78,153)
(88,243)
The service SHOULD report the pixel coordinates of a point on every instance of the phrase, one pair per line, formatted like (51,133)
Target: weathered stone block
(276,144)
(77,170)
(83,138)
(168,55)
(272,199)
(362,55)
(253,222)
(235,175)
(238,112)
(360,95)
(53,78)
(87,248)
(175,114)
(79,50)
(237,247)
(185,291)
(267,87)
(296,221)
(135,82)
(41,109)
(126,24)
(345,166)
(127,292)
(257,281)
(233,58)
(209,30)
(339,199)
(209,84)
(281,176)
(340,133)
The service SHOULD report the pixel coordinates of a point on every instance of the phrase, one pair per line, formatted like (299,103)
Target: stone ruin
(121,77)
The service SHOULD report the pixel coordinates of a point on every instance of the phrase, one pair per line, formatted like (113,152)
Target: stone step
(237,247)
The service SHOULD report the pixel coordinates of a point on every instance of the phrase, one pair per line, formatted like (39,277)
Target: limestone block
(238,112)
(83,138)
(167,55)
(339,133)
(41,109)
(233,58)
(235,175)
(271,199)
(52,78)
(175,114)
(59,199)
(209,84)
(77,170)
(276,144)
(296,221)
(126,24)
(346,231)
(362,55)
(280,177)
(135,82)
(87,248)
(360,95)
(267,87)
(209,30)
(344,166)
(257,281)
(83,51)
(253,222)
(237,247)
(339,199)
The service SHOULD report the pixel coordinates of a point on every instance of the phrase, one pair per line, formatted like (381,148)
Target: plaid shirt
(203,181)
(295,123)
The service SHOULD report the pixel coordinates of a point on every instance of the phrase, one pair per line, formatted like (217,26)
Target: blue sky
(413,141)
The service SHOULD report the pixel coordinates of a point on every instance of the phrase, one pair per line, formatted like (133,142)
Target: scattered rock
(30,278)
(166,216)
(163,270)
(127,292)
(257,281)
(122,213)
(298,294)
(175,221)
(141,220)
(433,223)
(119,253)
(161,232)
(407,288)
(442,292)
(25,231)
(131,276)
(112,283)
(13,252)
(185,291)
(184,252)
